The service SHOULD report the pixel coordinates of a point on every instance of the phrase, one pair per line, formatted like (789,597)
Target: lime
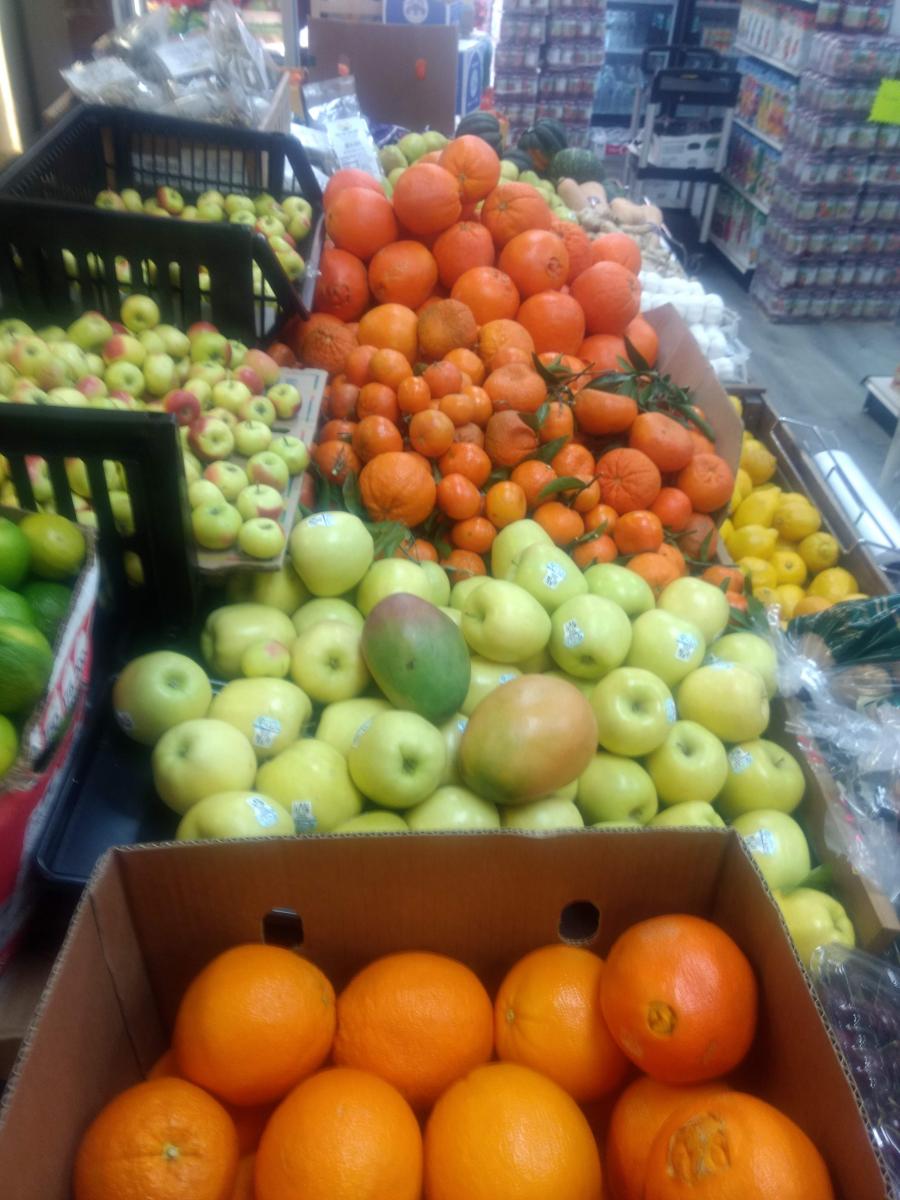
(14,607)
(49,603)
(14,554)
(57,545)
(25,664)
(9,745)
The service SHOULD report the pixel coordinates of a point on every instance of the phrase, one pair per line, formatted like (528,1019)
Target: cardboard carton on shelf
(153,916)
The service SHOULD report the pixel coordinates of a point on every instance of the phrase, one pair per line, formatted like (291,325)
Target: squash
(573,195)
(542,141)
(484,125)
(580,165)
(595,192)
(625,212)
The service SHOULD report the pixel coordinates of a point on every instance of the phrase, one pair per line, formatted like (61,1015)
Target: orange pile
(415,371)
(411,1036)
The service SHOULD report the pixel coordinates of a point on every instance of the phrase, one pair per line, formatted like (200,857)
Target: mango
(417,656)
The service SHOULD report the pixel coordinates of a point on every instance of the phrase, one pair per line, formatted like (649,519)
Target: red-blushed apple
(201,389)
(299,226)
(122,347)
(211,438)
(268,468)
(30,355)
(265,366)
(203,491)
(252,380)
(170,199)
(216,526)
(199,758)
(118,327)
(257,408)
(251,437)
(286,399)
(230,394)
(292,450)
(399,761)
(159,374)
(266,660)
(228,477)
(55,374)
(69,397)
(91,386)
(238,353)
(634,710)
(24,391)
(156,691)
(260,500)
(175,342)
(211,347)
(184,406)
(90,331)
(199,327)
(269,227)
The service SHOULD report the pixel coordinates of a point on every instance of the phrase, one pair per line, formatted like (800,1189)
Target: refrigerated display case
(631,27)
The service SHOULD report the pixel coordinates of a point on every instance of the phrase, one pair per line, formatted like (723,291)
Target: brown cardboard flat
(153,915)
(405,74)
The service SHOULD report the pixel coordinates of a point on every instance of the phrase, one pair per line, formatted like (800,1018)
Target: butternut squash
(572,194)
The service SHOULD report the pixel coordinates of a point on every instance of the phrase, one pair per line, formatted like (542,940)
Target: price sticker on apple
(264,813)
(360,733)
(739,760)
(506,677)
(671,711)
(573,635)
(462,723)
(323,518)
(265,731)
(303,816)
(554,574)
(125,719)
(685,646)
(761,842)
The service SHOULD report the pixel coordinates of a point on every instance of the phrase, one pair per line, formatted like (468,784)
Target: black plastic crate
(95,148)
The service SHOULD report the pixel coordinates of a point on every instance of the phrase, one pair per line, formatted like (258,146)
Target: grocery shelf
(745,195)
(742,48)
(758,133)
(733,256)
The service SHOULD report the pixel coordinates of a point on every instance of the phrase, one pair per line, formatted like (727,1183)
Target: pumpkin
(580,165)
(484,125)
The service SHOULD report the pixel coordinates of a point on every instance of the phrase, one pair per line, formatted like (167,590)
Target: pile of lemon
(776,538)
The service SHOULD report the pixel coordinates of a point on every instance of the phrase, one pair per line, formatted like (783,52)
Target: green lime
(14,554)
(9,745)
(49,603)
(57,545)
(14,607)
(25,664)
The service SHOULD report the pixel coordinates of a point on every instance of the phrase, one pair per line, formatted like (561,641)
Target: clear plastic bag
(333,106)
(112,81)
(861,997)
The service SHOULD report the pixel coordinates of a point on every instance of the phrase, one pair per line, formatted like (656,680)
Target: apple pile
(225,397)
(282,223)
(369,694)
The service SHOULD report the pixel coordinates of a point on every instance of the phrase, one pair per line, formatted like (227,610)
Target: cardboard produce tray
(310,384)
(154,915)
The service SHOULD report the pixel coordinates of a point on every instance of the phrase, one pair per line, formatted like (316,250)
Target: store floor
(814,372)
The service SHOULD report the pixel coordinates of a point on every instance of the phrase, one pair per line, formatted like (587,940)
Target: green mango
(417,656)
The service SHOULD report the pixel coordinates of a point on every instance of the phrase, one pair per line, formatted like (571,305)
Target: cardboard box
(421,12)
(154,915)
(697,151)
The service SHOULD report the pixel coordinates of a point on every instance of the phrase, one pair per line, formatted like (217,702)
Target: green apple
(626,588)
(485,677)
(453,613)
(159,374)
(439,581)
(261,537)
(251,437)
(90,331)
(270,713)
(691,764)
(199,758)
(453,808)
(667,645)
(310,779)
(623,824)
(326,609)
(634,711)
(548,574)
(615,789)
(139,312)
(175,342)
(462,589)
(778,845)
(327,662)
(699,602)
(761,774)
(589,635)
(550,813)
(216,525)
(343,722)
(234,815)
(814,919)
(511,541)
(376,820)
(749,650)
(452,730)
(291,450)
(389,576)
(728,700)
(331,552)
(537,664)
(202,491)
(504,623)
(228,477)
(159,690)
(266,467)
(229,630)
(399,760)
(266,660)
(693,813)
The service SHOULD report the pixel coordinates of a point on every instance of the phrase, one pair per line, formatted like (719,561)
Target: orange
(378,400)
(466,459)
(516,386)
(562,523)
(536,261)
(505,1132)
(673,508)
(417,549)
(474,164)
(160,1140)
(413,395)
(475,534)
(655,568)
(601,517)
(356,369)
(680,998)
(588,498)
(341,400)
(610,296)
(628,479)
(637,531)
(504,503)
(618,248)
(327,344)
(420,1021)
(341,1135)
(603,352)
(603,413)
(489,293)
(458,497)
(254,1022)
(643,338)
(498,334)
(392,326)
(577,243)
(555,321)
(442,378)
(547,1016)
(348,177)
(242,1188)
(341,431)
(431,433)
(469,362)
(513,208)
(733,577)
(708,482)
(639,1113)
(403,273)
(445,326)
(600,549)
(481,402)
(459,407)
(508,440)
(336,460)
(573,459)
(663,440)
(558,423)
(734,1147)
(460,248)
(361,221)
(511,354)
(389,367)
(426,199)
(375,435)
(397,486)
(463,564)
(673,555)
(342,286)
(532,477)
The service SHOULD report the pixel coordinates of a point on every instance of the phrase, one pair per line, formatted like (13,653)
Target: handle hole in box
(283,927)
(579,922)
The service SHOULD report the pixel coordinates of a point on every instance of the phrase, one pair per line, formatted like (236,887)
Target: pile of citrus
(435,312)
(411,1082)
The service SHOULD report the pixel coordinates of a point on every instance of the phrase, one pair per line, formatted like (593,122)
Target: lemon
(766,595)
(784,544)
(819,550)
(753,540)
(57,545)
(789,566)
(757,509)
(762,573)
(833,584)
(743,481)
(726,529)
(796,518)
(736,404)
(811,604)
(757,461)
(789,596)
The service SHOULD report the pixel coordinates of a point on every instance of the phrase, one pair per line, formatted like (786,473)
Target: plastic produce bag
(861,997)
(112,81)
(333,106)
(243,64)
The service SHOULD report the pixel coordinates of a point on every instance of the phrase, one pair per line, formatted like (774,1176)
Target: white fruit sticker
(739,760)
(573,635)
(303,816)
(554,574)
(506,677)
(685,646)
(323,518)
(762,842)
(263,811)
(126,721)
(720,665)
(671,711)
(358,736)
(462,723)
(265,731)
